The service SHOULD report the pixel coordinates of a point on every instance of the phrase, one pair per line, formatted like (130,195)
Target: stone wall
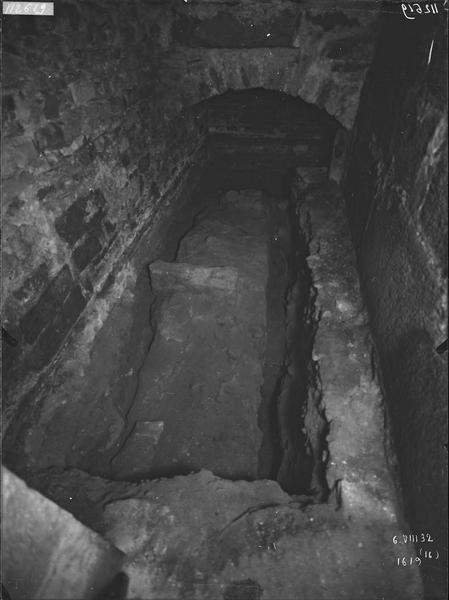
(88,158)
(396,190)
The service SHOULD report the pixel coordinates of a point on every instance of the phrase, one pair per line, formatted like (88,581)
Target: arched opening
(259,135)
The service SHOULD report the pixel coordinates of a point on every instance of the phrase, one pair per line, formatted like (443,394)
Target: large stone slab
(46,552)
(203,374)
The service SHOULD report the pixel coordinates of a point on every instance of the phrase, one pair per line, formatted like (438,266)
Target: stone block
(88,250)
(13,188)
(33,285)
(50,137)
(73,305)
(66,316)
(49,342)
(46,552)
(45,191)
(169,276)
(62,284)
(12,129)
(334,19)
(124,159)
(37,319)
(83,215)
(86,153)
(73,124)
(51,106)
(144,163)
(70,225)
(97,117)
(17,156)
(109,227)
(56,330)
(82,92)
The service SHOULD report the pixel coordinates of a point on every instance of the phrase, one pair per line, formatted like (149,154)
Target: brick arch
(282,69)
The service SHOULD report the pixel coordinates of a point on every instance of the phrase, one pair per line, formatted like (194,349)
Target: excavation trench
(205,360)
(228,383)
(256,287)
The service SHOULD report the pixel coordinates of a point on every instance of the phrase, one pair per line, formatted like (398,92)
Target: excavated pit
(205,362)
(227,381)
(255,328)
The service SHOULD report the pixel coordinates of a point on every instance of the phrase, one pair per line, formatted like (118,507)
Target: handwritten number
(409,10)
(404,11)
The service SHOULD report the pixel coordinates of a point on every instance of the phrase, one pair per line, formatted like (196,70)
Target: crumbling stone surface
(77,415)
(350,394)
(200,536)
(396,194)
